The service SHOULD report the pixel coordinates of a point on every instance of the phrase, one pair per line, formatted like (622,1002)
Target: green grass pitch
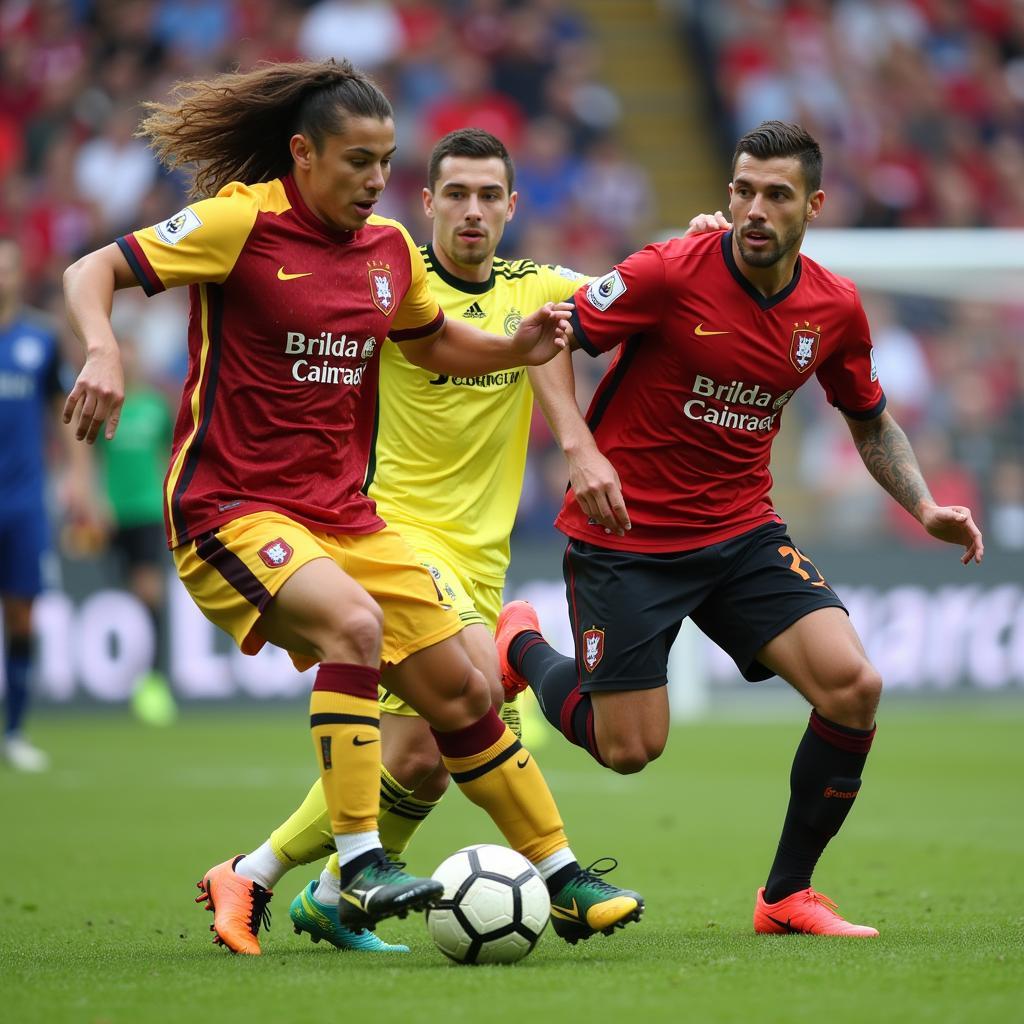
(100,859)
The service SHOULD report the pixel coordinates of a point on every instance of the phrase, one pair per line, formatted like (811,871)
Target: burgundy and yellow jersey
(286,324)
(688,409)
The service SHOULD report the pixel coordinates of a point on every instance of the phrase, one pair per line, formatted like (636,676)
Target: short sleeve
(561,283)
(849,376)
(199,244)
(418,315)
(626,301)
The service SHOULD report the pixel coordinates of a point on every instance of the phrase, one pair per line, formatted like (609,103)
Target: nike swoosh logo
(359,742)
(701,333)
(784,924)
(566,913)
(282,276)
(525,761)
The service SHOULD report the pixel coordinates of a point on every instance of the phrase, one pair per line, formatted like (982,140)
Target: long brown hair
(237,126)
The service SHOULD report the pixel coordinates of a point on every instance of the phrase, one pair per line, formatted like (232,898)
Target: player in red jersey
(669,515)
(294,285)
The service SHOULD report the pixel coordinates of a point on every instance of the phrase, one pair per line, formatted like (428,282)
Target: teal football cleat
(320,921)
(587,904)
(382,889)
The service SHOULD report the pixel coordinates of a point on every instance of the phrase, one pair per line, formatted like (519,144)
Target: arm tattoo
(890,460)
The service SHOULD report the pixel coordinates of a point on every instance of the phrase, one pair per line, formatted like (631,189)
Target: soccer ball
(494,906)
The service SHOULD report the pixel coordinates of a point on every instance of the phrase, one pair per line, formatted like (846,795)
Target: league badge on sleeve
(803,345)
(605,290)
(183,223)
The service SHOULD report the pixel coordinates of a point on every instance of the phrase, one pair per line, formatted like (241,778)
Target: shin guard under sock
(824,782)
(497,773)
(345,722)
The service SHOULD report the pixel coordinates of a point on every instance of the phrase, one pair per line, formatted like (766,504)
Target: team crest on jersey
(593,648)
(382,289)
(803,345)
(512,321)
(276,553)
(183,223)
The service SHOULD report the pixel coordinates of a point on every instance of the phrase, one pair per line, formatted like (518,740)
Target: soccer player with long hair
(294,285)
(453,496)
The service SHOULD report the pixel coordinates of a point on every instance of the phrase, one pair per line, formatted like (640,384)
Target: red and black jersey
(286,324)
(689,407)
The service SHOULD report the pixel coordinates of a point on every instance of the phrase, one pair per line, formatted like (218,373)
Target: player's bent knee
(361,628)
(414,765)
(476,694)
(630,758)
(853,699)
(869,691)
(459,703)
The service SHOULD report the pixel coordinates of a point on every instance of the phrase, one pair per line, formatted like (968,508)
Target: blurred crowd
(74,177)
(919,105)
(72,74)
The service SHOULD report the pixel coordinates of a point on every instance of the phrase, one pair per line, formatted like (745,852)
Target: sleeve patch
(183,223)
(605,290)
(874,367)
(568,273)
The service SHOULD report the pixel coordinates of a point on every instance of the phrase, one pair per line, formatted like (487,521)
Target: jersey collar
(764,302)
(458,283)
(308,217)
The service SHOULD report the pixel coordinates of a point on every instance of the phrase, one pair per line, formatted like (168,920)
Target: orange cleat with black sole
(805,913)
(239,905)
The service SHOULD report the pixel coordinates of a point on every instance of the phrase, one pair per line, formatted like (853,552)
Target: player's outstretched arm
(460,350)
(98,393)
(891,461)
(594,481)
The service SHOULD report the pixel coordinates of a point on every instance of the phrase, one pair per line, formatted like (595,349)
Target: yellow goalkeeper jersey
(449,452)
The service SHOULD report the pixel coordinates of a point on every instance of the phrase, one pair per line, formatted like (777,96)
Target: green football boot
(382,889)
(320,921)
(587,904)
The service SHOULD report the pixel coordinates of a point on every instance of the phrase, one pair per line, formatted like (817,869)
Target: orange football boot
(515,618)
(805,913)
(239,907)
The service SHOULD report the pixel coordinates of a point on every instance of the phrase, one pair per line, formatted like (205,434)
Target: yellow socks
(345,723)
(498,774)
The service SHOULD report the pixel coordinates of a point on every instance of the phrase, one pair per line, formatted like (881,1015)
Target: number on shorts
(797,561)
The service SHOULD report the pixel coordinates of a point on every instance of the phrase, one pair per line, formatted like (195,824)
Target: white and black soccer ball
(494,908)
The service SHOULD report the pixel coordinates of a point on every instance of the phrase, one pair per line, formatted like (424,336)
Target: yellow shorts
(233,573)
(473,601)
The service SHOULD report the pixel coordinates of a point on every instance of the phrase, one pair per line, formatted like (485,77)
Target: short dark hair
(777,138)
(471,142)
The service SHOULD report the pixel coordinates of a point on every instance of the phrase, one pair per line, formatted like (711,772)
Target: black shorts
(626,608)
